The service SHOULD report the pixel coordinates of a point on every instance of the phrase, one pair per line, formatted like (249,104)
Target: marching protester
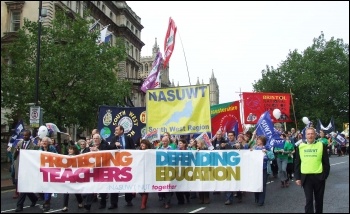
(89,198)
(290,164)
(218,139)
(203,196)
(192,146)
(232,144)
(47,146)
(25,143)
(72,150)
(311,170)
(260,145)
(121,141)
(182,195)
(144,145)
(282,161)
(166,196)
(83,146)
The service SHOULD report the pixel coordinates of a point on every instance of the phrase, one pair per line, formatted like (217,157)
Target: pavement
(6,180)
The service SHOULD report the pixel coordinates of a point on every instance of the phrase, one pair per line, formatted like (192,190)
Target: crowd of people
(285,164)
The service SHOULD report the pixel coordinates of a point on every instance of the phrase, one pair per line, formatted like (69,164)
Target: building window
(98,4)
(111,15)
(127,47)
(136,54)
(69,4)
(77,7)
(127,23)
(15,23)
(136,32)
(103,8)
(131,51)
(132,28)
(146,67)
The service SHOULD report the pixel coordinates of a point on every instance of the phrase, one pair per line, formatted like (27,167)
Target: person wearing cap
(311,170)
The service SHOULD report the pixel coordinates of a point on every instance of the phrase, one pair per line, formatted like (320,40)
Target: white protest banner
(124,171)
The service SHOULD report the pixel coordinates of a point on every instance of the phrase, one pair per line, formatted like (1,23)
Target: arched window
(98,4)
(146,67)
(103,8)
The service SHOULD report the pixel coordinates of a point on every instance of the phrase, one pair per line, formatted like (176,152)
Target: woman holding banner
(72,150)
(203,196)
(182,195)
(166,196)
(260,145)
(47,147)
(144,145)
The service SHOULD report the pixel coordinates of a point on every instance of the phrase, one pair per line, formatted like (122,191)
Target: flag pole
(295,119)
(183,50)
(241,110)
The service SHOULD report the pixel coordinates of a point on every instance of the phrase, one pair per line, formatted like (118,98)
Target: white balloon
(42,132)
(306,120)
(277,113)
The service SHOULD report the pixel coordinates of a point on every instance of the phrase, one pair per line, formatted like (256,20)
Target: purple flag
(152,77)
(17,134)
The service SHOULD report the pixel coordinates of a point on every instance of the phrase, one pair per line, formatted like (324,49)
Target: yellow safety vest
(311,157)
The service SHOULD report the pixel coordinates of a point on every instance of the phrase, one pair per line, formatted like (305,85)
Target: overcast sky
(237,40)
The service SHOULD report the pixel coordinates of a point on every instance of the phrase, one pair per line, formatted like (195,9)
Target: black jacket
(129,143)
(216,143)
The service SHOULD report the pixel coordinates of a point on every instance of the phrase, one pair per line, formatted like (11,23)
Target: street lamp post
(38,57)
(34,114)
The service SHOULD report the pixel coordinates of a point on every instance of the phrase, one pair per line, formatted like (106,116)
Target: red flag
(169,42)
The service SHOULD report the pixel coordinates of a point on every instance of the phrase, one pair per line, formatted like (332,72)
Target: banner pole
(241,109)
(295,119)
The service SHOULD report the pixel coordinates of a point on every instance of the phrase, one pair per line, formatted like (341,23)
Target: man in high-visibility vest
(311,170)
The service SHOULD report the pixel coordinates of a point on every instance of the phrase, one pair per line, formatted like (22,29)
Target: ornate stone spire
(155,48)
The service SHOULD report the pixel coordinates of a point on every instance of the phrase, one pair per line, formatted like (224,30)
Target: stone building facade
(123,22)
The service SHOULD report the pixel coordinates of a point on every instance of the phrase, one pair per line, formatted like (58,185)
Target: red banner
(255,104)
(224,116)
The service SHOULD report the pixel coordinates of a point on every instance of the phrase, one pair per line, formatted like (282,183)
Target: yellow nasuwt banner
(179,110)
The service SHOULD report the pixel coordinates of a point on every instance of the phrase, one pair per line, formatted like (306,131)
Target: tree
(318,79)
(76,74)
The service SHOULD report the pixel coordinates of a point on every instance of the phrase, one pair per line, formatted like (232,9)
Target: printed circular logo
(227,122)
(126,122)
(143,117)
(107,118)
(105,132)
